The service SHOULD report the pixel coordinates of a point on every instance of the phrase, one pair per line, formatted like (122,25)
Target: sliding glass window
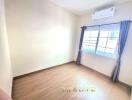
(90,39)
(102,40)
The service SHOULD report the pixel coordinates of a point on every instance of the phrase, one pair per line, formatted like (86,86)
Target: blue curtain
(124,28)
(80,45)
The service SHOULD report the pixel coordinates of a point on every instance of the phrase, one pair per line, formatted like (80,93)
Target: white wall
(40,33)
(103,64)
(5,66)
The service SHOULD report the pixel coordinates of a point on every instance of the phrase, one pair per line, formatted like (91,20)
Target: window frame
(105,54)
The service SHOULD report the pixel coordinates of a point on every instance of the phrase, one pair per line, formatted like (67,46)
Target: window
(101,40)
(90,39)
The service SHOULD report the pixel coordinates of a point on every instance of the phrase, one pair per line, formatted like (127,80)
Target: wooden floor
(68,82)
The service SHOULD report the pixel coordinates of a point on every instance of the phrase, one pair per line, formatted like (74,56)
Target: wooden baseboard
(107,76)
(17,77)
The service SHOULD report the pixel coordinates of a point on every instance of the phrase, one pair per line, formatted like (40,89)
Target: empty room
(65,50)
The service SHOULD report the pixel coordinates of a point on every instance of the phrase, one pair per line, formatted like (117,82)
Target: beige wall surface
(103,64)
(40,33)
(5,65)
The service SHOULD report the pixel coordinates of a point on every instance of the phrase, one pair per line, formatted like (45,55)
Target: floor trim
(106,76)
(20,76)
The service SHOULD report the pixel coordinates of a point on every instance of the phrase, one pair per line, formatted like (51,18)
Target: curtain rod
(103,24)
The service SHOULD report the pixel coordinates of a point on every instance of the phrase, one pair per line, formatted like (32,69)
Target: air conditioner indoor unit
(105,13)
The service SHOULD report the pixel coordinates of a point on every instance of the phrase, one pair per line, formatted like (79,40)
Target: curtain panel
(78,60)
(124,29)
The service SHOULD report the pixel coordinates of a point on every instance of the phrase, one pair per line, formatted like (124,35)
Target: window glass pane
(93,33)
(87,34)
(112,43)
(111,51)
(113,38)
(89,40)
(92,44)
(105,52)
(100,49)
(108,39)
(102,42)
(84,46)
(104,33)
(91,48)
(114,34)
(92,41)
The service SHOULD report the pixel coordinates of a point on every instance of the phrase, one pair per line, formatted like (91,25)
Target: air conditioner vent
(105,13)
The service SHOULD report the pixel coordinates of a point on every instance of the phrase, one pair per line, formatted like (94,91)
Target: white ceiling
(79,6)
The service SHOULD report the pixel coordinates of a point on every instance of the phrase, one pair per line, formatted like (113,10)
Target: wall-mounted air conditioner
(105,13)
